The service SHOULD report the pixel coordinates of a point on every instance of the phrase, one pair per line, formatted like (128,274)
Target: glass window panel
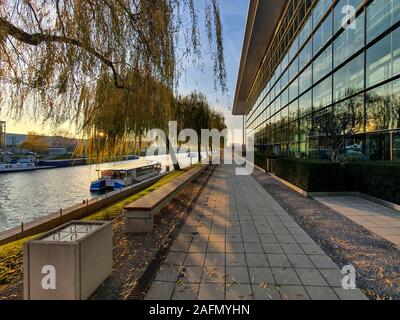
(294,89)
(305,103)
(383,109)
(323,34)
(320,9)
(293,49)
(381,14)
(378,108)
(293,69)
(352,112)
(383,59)
(323,64)
(322,94)
(349,42)
(305,79)
(349,79)
(293,110)
(305,55)
(306,31)
(284,98)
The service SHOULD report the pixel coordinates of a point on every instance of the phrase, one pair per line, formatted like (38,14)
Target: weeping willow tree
(110,67)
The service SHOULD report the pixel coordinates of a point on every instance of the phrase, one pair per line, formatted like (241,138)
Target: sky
(233,14)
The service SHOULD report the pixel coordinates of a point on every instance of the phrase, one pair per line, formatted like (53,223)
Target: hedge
(312,175)
(376,178)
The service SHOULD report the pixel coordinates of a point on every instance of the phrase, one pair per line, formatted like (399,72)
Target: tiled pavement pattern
(239,244)
(383,221)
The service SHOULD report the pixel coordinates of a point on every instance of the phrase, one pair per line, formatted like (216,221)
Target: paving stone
(214,274)
(292,248)
(350,294)
(237,275)
(256,260)
(234,238)
(263,292)
(311,277)
(253,248)
(321,293)
(323,262)
(285,276)
(268,238)
(215,259)
(186,291)
(285,238)
(279,260)
(235,247)
(168,273)
(293,293)
(198,247)
(180,246)
(261,276)
(231,230)
(195,259)
(212,291)
(190,274)
(175,258)
(160,291)
(300,261)
(333,276)
(272,248)
(299,238)
(238,292)
(217,238)
(312,248)
(251,238)
(235,260)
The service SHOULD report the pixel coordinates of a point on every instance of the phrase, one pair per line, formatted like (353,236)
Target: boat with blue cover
(123,176)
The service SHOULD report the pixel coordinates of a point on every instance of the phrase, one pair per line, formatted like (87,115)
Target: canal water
(26,196)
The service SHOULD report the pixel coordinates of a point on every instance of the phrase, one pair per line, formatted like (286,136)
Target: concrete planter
(68,263)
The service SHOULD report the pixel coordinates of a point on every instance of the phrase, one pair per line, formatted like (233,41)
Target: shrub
(312,175)
(260,159)
(376,178)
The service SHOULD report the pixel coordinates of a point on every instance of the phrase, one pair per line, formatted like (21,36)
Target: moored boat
(123,176)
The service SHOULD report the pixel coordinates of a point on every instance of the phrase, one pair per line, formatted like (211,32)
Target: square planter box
(68,263)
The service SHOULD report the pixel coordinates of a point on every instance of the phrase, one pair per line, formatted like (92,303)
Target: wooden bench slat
(155,198)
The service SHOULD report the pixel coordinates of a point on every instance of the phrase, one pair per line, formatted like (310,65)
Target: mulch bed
(377,260)
(132,254)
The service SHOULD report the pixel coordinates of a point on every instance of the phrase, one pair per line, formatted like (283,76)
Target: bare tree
(346,120)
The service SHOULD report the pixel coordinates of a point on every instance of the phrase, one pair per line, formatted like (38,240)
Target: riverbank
(11,255)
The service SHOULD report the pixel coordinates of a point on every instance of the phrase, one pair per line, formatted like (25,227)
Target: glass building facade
(318,63)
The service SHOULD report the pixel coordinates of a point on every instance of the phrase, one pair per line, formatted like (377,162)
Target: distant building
(14,140)
(58,151)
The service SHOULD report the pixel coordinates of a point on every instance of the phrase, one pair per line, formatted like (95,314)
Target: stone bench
(139,215)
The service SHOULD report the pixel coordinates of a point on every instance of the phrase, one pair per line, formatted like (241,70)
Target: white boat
(122,176)
(28,163)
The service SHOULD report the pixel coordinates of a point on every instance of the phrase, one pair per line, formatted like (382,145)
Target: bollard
(61,214)
(22,230)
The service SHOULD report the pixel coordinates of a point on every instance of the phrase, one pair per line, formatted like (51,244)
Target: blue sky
(233,13)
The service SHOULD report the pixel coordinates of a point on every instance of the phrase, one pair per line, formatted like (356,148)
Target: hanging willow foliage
(108,66)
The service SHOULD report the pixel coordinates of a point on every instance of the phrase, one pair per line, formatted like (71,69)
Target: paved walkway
(240,244)
(383,221)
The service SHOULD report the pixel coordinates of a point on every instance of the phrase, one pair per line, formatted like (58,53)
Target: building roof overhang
(262,20)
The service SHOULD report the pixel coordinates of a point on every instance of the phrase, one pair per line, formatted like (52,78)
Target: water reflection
(26,196)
